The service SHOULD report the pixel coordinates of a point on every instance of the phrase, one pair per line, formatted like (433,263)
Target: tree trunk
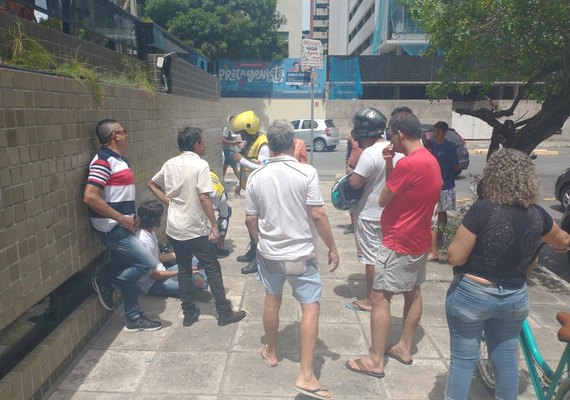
(551,117)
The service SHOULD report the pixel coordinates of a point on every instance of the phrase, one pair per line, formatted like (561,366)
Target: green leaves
(238,29)
(497,40)
(484,42)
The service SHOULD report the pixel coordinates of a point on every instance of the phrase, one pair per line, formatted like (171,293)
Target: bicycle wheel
(485,367)
(563,392)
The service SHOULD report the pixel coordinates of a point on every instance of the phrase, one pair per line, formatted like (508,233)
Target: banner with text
(283,79)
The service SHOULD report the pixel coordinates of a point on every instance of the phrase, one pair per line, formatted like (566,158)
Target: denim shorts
(306,287)
(229,157)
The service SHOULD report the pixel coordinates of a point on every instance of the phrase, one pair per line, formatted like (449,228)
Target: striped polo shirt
(113,175)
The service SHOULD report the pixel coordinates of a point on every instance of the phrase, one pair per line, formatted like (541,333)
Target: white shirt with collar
(183,178)
(280,194)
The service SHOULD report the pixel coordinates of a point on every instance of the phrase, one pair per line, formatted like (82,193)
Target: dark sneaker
(250,268)
(141,323)
(105,292)
(189,319)
(234,316)
(348,230)
(249,255)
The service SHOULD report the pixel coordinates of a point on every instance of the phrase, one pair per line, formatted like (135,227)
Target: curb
(542,152)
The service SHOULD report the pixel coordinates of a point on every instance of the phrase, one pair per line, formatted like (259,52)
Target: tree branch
(522,91)
(482,113)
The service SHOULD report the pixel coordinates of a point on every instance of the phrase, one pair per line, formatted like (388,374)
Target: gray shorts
(368,237)
(446,200)
(306,287)
(398,273)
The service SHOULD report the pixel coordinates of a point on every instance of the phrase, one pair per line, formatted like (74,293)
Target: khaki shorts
(398,273)
(368,238)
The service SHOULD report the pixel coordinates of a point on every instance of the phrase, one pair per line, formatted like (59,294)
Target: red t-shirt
(406,221)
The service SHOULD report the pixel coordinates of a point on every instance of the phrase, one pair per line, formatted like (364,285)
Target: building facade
(320,23)
(292,30)
(372,27)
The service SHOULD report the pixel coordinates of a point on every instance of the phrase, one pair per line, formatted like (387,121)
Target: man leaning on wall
(110,196)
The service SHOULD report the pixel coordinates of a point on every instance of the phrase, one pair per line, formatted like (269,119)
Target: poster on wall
(282,79)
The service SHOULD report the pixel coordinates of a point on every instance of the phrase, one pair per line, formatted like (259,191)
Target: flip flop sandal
(314,393)
(260,351)
(355,307)
(361,369)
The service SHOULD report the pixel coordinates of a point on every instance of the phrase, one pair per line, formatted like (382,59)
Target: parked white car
(325,135)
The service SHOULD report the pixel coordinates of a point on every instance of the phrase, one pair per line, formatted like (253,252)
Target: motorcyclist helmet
(246,121)
(368,122)
(343,197)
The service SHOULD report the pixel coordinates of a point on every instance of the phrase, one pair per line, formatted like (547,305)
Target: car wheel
(319,145)
(565,197)
(331,148)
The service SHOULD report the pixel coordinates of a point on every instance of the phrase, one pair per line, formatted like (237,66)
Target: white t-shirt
(280,194)
(228,134)
(149,241)
(183,178)
(372,166)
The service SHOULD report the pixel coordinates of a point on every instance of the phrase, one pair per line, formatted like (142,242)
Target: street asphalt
(207,362)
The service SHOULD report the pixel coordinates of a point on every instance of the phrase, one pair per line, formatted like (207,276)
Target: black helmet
(343,197)
(368,122)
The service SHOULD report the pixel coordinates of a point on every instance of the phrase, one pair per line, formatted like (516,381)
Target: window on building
(361,23)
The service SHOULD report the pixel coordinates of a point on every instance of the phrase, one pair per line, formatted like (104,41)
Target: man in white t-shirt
(184,184)
(284,213)
(369,174)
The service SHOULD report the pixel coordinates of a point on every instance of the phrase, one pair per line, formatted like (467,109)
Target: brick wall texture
(47,140)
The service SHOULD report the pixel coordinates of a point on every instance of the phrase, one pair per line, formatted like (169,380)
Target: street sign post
(311,58)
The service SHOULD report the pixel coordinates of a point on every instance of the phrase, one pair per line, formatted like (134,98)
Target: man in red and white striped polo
(110,196)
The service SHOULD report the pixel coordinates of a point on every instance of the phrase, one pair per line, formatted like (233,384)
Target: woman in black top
(491,253)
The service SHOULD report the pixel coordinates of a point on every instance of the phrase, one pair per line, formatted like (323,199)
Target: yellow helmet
(246,121)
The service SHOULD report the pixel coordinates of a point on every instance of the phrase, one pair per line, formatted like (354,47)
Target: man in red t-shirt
(409,197)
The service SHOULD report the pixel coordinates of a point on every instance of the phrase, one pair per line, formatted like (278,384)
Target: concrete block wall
(34,376)
(47,140)
(46,143)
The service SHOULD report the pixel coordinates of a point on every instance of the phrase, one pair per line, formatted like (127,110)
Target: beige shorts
(398,273)
(368,238)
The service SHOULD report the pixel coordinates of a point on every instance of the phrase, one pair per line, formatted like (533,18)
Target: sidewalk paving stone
(208,362)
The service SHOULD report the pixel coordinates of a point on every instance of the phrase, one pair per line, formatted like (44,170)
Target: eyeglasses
(124,131)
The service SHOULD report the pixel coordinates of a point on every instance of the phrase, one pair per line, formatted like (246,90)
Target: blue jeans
(166,287)
(472,308)
(170,287)
(131,262)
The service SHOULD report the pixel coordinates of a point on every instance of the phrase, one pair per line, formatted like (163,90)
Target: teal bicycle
(548,384)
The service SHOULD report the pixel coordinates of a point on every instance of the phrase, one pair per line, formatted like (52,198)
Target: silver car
(325,135)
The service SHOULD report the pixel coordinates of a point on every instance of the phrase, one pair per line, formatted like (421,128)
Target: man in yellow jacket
(253,155)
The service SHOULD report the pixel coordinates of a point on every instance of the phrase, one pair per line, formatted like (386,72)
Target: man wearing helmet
(411,192)
(369,174)
(253,155)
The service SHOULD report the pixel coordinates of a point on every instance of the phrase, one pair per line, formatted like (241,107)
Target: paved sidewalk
(207,362)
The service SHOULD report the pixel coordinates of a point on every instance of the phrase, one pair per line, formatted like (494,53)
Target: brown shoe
(234,316)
